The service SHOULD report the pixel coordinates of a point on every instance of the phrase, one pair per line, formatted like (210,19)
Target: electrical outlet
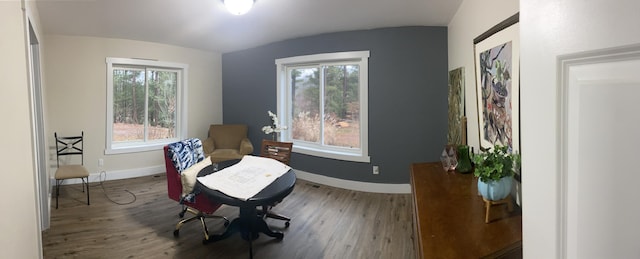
(100,162)
(376,169)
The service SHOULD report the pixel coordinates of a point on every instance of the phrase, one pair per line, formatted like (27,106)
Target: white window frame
(181,114)
(361,58)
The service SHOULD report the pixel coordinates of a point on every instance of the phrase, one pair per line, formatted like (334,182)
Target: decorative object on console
(464,161)
(493,165)
(495,169)
(449,158)
(276,128)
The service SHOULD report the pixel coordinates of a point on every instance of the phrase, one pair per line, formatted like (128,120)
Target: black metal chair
(69,147)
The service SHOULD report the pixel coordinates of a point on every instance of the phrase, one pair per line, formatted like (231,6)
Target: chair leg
(57,192)
(205,230)
(88,203)
(176,231)
(268,213)
(84,183)
(197,216)
(184,221)
(184,210)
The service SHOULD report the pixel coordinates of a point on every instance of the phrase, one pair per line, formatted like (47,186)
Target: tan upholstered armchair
(227,142)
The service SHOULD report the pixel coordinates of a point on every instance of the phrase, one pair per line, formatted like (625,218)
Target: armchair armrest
(246,147)
(208,146)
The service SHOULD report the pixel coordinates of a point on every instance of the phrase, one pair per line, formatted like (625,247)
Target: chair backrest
(277,150)
(69,146)
(185,153)
(228,136)
(174,183)
(174,187)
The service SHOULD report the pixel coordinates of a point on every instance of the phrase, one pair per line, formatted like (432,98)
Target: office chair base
(197,216)
(268,213)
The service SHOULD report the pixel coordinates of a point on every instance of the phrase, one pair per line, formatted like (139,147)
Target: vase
(495,190)
(464,161)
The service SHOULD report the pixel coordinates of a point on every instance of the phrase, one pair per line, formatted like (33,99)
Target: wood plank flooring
(327,222)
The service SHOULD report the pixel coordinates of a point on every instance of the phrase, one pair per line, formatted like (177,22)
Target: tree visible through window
(137,117)
(144,104)
(323,99)
(340,125)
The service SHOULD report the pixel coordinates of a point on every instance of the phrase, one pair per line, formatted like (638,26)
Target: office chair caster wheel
(286,224)
(176,233)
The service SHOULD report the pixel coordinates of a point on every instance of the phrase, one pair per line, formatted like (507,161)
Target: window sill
(136,147)
(332,154)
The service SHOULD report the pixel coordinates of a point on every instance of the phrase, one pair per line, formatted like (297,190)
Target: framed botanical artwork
(456,134)
(497,67)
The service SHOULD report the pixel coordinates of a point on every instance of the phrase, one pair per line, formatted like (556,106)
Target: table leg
(235,226)
(249,224)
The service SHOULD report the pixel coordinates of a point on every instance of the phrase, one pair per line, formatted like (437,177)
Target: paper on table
(246,178)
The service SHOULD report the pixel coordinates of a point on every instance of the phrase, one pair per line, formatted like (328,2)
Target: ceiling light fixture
(238,7)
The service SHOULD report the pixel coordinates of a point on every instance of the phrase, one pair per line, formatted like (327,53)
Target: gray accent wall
(407,96)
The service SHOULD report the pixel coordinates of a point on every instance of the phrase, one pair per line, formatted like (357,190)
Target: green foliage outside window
(133,112)
(341,104)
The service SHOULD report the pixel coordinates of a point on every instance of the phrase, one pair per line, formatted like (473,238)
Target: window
(322,99)
(145,106)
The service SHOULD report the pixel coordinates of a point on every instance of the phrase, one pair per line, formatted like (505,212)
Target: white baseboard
(117,175)
(316,178)
(354,185)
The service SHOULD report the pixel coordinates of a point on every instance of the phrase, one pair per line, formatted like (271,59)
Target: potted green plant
(495,168)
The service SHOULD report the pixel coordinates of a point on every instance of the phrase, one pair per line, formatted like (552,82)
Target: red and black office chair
(188,153)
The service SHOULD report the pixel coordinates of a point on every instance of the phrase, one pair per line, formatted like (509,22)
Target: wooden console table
(449,218)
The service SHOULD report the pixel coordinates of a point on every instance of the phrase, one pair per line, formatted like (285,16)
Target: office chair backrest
(174,186)
(69,146)
(277,150)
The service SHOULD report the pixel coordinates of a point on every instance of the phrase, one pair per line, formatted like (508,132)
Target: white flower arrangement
(276,128)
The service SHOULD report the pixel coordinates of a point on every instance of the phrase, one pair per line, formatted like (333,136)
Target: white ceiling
(205,24)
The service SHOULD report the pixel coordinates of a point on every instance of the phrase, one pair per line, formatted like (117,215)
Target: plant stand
(488,204)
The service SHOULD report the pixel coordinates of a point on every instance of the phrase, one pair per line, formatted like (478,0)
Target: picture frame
(497,70)
(456,111)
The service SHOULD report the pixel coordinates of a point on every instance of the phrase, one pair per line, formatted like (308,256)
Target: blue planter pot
(495,190)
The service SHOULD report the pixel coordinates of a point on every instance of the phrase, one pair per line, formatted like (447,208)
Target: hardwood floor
(327,222)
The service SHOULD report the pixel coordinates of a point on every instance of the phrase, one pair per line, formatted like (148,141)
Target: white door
(600,121)
(37,121)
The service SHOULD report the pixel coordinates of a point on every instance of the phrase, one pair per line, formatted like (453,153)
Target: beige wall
(75,76)
(20,236)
